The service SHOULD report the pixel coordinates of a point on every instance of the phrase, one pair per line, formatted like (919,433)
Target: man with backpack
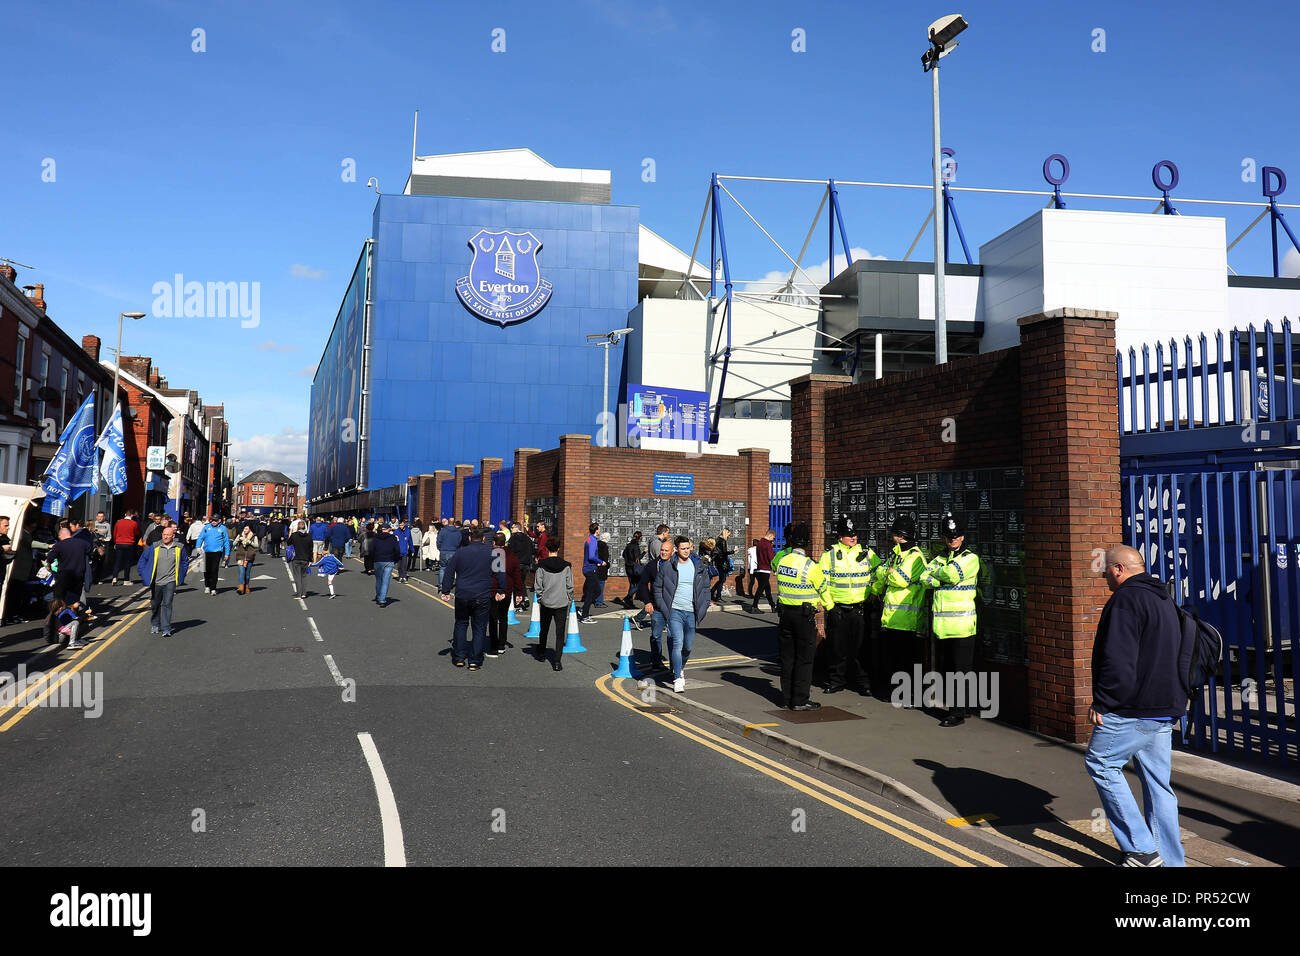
(1138,694)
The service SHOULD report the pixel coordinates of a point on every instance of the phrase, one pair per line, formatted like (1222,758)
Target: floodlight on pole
(605,340)
(942,34)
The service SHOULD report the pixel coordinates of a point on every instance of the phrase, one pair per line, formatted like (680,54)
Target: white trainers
(679,685)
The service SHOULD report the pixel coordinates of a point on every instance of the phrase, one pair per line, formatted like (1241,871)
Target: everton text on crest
(504,283)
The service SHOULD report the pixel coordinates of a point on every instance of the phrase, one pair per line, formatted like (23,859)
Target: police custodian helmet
(905,526)
(844,527)
(950,527)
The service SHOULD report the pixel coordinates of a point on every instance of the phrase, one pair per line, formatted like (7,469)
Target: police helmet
(798,535)
(844,527)
(950,527)
(905,526)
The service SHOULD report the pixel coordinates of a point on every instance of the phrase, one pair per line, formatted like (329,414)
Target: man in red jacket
(763,570)
(502,559)
(126,532)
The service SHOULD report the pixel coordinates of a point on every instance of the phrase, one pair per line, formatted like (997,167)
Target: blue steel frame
(1222,530)
(502,482)
(779,500)
(718,241)
(1278,217)
(469,497)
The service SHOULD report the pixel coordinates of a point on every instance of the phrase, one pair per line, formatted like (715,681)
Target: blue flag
(72,470)
(113,465)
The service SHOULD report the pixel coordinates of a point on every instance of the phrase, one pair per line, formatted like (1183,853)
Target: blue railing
(502,483)
(779,509)
(469,500)
(448,499)
(1230,544)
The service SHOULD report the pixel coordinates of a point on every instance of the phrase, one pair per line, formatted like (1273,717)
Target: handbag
(288,553)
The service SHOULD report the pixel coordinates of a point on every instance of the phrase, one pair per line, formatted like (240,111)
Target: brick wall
(458,496)
(1048,406)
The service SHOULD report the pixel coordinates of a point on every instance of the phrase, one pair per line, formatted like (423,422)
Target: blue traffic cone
(511,618)
(535,623)
(572,642)
(626,667)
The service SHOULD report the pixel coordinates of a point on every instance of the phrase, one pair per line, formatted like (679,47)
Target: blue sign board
(666,413)
(667,483)
(504,283)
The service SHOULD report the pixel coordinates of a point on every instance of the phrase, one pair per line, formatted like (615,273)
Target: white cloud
(300,271)
(1290,265)
(306,372)
(285,452)
(274,346)
(820,274)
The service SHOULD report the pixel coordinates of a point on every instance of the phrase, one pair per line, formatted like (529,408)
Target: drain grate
(277,650)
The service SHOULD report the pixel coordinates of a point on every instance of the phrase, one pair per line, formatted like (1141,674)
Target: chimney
(155,379)
(137,365)
(9,272)
(90,345)
(37,295)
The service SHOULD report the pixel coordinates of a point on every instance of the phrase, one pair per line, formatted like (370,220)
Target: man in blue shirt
(319,532)
(591,565)
(214,542)
(404,548)
(339,536)
(681,591)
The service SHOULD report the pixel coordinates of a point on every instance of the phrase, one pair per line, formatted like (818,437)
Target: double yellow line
(62,675)
(918,836)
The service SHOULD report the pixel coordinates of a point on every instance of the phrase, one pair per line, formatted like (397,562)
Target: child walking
(329,566)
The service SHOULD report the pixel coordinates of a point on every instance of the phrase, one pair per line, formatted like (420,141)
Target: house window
(44,380)
(19,397)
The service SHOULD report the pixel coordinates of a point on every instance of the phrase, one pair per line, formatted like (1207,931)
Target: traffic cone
(572,642)
(626,668)
(535,623)
(511,618)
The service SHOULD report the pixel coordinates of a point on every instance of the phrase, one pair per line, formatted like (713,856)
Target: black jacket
(1135,653)
(384,547)
(469,572)
(300,541)
(522,547)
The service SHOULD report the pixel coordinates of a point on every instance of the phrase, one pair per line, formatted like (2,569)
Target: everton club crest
(504,283)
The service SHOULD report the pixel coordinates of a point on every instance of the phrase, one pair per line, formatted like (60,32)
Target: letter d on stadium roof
(504,283)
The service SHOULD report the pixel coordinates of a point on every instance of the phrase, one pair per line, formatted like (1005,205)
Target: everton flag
(112,467)
(72,470)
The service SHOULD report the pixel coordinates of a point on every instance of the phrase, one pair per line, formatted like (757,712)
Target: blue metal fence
(502,483)
(1211,497)
(469,501)
(778,502)
(448,499)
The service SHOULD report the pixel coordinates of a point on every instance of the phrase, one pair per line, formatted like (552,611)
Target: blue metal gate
(778,502)
(1211,497)
(469,503)
(448,499)
(502,483)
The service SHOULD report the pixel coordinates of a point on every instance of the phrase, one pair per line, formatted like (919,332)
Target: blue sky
(225,165)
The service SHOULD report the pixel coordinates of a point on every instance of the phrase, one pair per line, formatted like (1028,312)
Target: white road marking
(315,631)
(394,846)
(302,604)
(334,670)
(265,577)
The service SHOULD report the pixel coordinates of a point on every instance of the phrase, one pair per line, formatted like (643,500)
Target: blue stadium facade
(447,386)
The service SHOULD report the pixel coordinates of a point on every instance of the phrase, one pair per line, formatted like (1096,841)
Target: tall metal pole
(604,418)
(940,307)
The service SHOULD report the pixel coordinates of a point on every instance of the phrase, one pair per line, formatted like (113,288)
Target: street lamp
(942,35)
(605,340)
(117,368)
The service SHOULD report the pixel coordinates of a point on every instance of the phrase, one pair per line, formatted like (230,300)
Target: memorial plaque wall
(540,509)
(694,517)
(991,504)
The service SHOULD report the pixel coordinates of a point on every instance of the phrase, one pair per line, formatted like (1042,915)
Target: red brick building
(266,492)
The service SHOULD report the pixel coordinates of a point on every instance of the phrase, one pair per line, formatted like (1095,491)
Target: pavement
(1026,788)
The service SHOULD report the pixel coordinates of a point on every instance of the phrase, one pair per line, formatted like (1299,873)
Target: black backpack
(1200,652)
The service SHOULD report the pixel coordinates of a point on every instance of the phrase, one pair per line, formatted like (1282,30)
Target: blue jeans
(383,571)
(245,570)
(1148,743)
(475,609)
(681,636)
(657,625)
(347,548)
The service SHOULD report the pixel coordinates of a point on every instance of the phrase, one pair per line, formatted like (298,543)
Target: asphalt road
(246,740)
